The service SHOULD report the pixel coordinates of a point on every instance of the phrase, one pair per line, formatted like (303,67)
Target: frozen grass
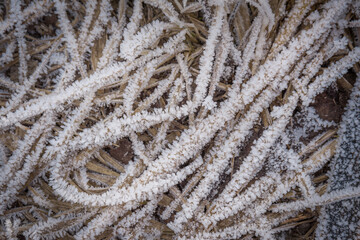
(162,119)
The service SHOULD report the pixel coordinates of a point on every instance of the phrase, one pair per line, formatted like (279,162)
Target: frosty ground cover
(156,119)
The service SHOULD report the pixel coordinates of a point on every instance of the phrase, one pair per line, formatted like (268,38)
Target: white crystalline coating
(151,119)
(209,103)
(342,219)
(143,39)
(309,121)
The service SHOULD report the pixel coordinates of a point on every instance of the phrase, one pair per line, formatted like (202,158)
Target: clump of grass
(174,119)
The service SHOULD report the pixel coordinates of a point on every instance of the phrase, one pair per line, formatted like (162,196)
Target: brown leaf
(123,152)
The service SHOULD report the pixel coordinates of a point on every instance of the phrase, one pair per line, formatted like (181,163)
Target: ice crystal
(158,119)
